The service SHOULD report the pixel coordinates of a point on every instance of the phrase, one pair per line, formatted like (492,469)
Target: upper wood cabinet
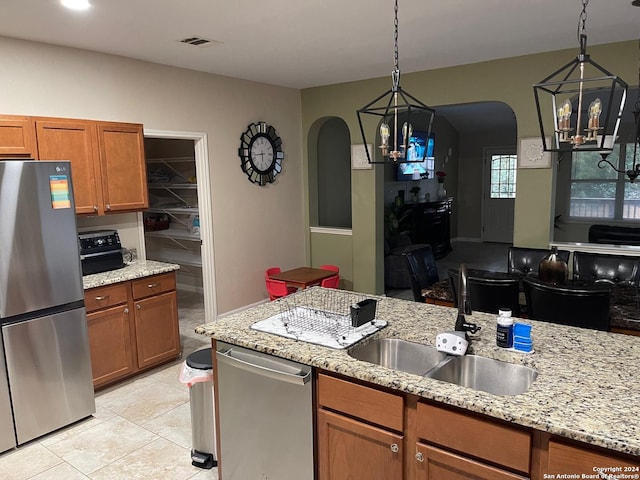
(107,159)
(122,167)
(17,137)
(74,140)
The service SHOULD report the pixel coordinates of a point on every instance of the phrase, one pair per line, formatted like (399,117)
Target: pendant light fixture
(634,171)
(584,100)
(392,118)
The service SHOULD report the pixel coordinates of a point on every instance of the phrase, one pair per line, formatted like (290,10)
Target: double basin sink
(472,371)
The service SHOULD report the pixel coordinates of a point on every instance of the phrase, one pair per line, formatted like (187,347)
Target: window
(602,192)
(503,176)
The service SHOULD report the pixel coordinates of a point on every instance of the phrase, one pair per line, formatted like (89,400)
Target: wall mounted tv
(418,143)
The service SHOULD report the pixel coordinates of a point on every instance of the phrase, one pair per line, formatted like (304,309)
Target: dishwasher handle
(265,365)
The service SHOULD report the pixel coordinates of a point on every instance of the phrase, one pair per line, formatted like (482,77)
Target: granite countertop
(587,387)
(135,269)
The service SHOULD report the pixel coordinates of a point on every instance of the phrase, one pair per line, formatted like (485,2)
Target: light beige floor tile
(149,401)
(175,425)
(27,461)
(203,474)
(64,471)
(160,459)
(101,445)
(101,415)
(169,375)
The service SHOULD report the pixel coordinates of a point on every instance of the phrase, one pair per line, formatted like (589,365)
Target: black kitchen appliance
(100,251)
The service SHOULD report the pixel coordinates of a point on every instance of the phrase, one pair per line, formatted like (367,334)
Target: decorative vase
(441,193)
(553,269)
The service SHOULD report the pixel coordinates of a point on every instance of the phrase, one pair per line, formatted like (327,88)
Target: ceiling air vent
(199,41)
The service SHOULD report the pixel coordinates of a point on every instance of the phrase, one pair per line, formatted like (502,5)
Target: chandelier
(396,114)
(585,101)
(634,171)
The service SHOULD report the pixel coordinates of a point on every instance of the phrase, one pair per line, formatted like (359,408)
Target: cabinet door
(60,139)
(112,357)
(351,450)
(17,137)
(157,335)
(122,165)
(435,464)
(572,459)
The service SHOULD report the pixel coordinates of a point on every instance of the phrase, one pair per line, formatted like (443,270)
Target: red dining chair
(267,276)
(331,282)
(330,267)
(277,289)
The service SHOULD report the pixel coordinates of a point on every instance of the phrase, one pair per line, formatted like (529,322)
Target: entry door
(500,168)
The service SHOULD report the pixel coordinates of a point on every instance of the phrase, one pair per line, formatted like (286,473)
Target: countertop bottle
(504,330)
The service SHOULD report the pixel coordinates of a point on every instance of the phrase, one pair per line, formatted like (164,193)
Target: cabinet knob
(138,306)
(95,208)
(108,206)
(419,457)
(394,447)
(126,310)
(103,297)
(153,285)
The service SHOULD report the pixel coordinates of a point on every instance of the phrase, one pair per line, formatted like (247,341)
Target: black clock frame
(253,132)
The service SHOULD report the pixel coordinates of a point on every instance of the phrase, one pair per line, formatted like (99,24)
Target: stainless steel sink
(399,354)
(486,374)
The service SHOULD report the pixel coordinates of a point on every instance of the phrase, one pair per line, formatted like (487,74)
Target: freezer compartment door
(39,254)
(49,367)
(7,433)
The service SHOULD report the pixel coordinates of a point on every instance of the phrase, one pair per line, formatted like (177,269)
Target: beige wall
(509,81)
(254,227)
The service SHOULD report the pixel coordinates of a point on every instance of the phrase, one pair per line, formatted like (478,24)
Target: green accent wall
(507,80)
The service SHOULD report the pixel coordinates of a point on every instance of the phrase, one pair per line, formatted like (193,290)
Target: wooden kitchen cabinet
(123,343)
(368,446)
(122,167)
(565,458)
(110,333)
(107,162)
(74,140)
(437,464)
(17,137)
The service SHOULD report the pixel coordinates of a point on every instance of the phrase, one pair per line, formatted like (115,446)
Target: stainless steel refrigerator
(45,363)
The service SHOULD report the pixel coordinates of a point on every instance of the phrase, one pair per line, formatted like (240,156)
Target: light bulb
(595,109)
(384,135)
(407,131)
(76,4)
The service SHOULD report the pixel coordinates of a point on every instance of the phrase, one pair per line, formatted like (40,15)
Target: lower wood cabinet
(353,450)
(437,464)
(132,326)
(367,432)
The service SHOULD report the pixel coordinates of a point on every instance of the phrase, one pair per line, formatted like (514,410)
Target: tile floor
(141,429)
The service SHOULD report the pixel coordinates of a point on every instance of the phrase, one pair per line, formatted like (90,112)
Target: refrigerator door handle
(265,365)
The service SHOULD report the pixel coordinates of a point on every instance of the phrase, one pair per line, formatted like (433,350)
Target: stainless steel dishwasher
(266,416)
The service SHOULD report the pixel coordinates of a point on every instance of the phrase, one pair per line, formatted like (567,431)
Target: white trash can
(197,374)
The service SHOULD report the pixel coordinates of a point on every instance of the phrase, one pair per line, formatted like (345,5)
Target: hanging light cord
(634,171)
(395,75)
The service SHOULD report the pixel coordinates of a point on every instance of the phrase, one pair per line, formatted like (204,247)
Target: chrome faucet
(464,303)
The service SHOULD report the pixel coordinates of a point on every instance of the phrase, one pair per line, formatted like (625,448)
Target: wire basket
(322,317)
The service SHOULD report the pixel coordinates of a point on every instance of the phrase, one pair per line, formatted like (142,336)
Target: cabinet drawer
(475,436)
(565,458)
(145,287)
(104,297)
(371,405)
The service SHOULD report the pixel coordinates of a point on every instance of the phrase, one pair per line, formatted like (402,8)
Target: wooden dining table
(303,277)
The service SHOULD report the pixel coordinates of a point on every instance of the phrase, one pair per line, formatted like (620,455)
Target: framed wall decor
(531,154)
(359,159)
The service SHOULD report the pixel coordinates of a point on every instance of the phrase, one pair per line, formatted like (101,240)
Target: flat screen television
(418,143)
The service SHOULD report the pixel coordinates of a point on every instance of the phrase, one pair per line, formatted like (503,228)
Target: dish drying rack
(322,317)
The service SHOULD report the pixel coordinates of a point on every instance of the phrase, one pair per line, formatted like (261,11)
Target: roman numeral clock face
(261,153)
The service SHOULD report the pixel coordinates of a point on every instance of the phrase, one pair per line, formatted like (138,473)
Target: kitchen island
(587,387)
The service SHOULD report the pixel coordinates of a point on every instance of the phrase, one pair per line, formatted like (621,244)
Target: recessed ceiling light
(76,4)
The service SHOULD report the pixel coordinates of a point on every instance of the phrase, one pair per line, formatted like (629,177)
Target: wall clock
(261,153)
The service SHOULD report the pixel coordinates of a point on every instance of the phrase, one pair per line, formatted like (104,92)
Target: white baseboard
(242,309)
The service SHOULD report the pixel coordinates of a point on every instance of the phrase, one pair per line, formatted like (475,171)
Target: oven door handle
(100,254)
(265,365)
